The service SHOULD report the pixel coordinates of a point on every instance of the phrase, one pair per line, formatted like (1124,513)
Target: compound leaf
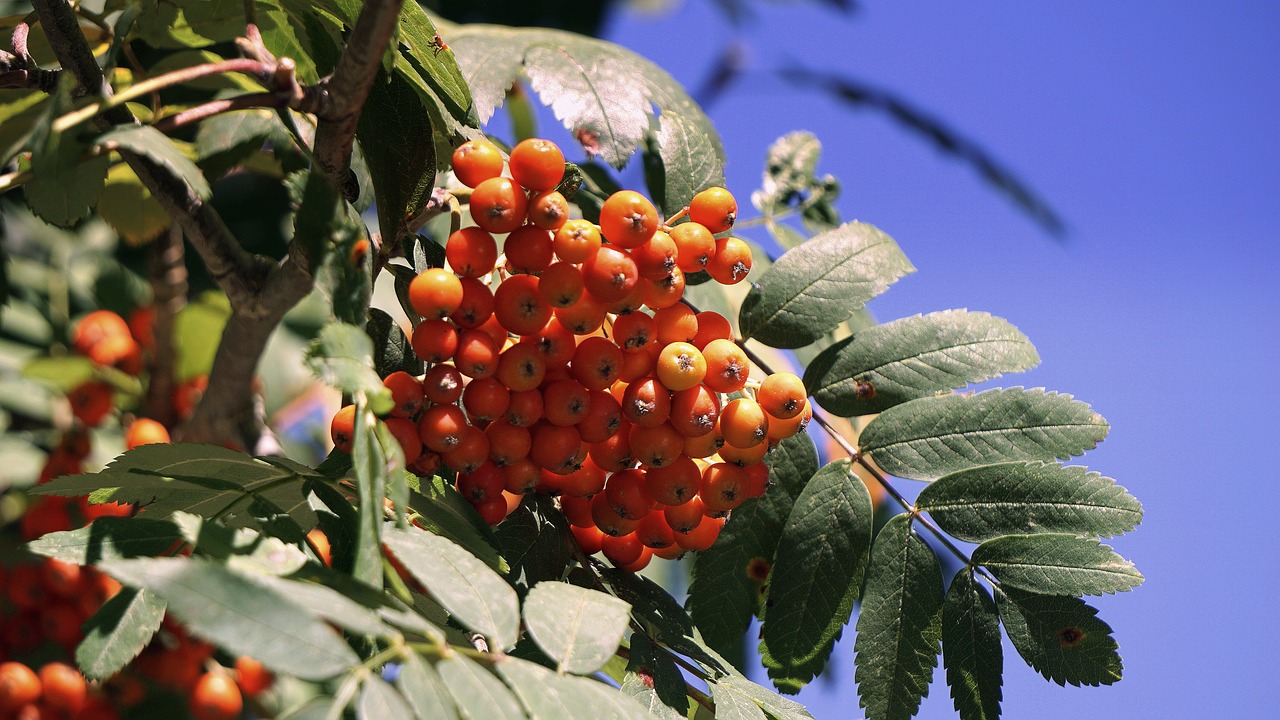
(971,651)
(885,365)
(814,287)
(818,573)
(899,625)
(577,627)
(930,437)
(1056,564)
(1012,498)
(1061,637)
(239,615)
(473,593)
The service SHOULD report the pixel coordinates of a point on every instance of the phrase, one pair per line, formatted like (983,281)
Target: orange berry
(676,482)
(477,354)
(114,350)
(638,363)
(565,402)
(19,686)
(701,537)
(493,510)
(434,340)
(610,274)
(561,284)
(694,246)
(711,326)
(526,407)
(486,399)
(676,323)
(783,429)
(629,303)
(321,543)
(634,331)
(471,252)
(442,427)
(715,208)
(508,443)
(583,317)
(470,452)
(782,395)
(63,686)
(680,366)
(520,476)
(656,258)
(613,454)
(603,418)
(646,402)
(628,219)
(252,677)
(95,327)
(555,447)
(576,240)
(654,531)
(476,307)
(590,539)
(596,363)
(405,431)
(406,390)
(145,431)
(577,510)
(640,563)
(622,550)
(548,210)
(727,367)
(518,306)
(694,411)
(537,164)
(664,292)
(743,423)
(731,263)
(435,293)
(686,516)
(607,519)
(91,402)
(744,456)
(628,494)
(342,428)
(584,481)
(528,250)
(215,697)
(499,205)
(482,484)
(657,446)
(521,367)
(757,479)
(475,161)
(141,325)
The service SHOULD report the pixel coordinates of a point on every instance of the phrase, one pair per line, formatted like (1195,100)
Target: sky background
(1151,129)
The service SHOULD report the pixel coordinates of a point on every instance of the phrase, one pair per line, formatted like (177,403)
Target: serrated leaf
(577,627)
(391,349)
(380,701)
(477,693)
(733,705)
(789,172)
(403,171)
(548,696)
(1012,498)
(654,681)
(1061,637)
(915,357)
(369,466)
(109,538)
(814,287)
(598,90)
(204,480)
(536,542)
(129,208)
(241,616)
(66,180)
(160,151)
(971,651)
(771,702)
(1056,564)
(342,356)
(118,632)
(666,621)
(723,594)
(899,625)
(442,510)
(817,573)
(689,145)
(421,687)
(930,437)
(227,140)
(475,595)
(197,332)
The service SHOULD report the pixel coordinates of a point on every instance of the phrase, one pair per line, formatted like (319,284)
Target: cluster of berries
(568,364)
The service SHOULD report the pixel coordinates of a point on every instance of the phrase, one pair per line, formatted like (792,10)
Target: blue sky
(1151,128)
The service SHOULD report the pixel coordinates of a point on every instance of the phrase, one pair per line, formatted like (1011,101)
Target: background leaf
(1011,498)
(421,687)
(927,438)
(654,681)
(160,151)
(475,595)
(723,594)
(1056,564)
(478,694)
(915,357)
(1061,637)
(65,181)
(899,625)
(577,627)
(971,650)
(380,701)
(814,287)
(342,356)
(239,615)
(817,574)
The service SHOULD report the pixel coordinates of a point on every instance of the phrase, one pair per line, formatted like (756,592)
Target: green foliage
(578,628)
(342,356)
(1009,498)
(817,574)
(66,177)
(814,287)
(1056,564)
(1061,637)
(971,650)
(118,632)
(913,358)
(927,438)
(900,624)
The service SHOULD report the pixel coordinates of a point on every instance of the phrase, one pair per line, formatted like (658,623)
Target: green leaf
(1011,498)
(404,169)
(369,465)
(129,208)
(899,625)
(241,616)
(118,632)
(536,542)
(61,373)
(160,151)
(733,705)
(65,181)
(1056,564)
(605,91)
(663,617)
(478,694)
(197,333)
(391,349)
(578,628)
(331,605)
(654,681)
(813,288)
(789,174)
(442,510)
(971,650)
(205,480)
(817,574)
(725,592)
(772,703)
(380,701)
(109,538)
(421,687)
(1061,637)
(475,595)
(328,230)
(915,357)
(549,696)
(927,438)
(342,356)
(690,147)
(227,140)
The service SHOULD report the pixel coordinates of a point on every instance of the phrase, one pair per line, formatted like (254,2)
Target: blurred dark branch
(859,94)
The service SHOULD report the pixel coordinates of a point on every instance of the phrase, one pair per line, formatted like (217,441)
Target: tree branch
(168,275)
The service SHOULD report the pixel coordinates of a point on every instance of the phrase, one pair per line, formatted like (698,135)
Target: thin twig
(217,107)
